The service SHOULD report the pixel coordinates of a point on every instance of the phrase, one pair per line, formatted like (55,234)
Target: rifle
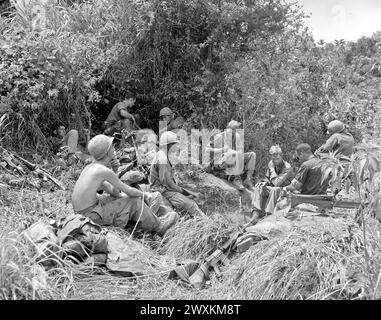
(198,278)
(219,256)
(324,201)
(126,169)
(8,159)
(40,171)
(190,192)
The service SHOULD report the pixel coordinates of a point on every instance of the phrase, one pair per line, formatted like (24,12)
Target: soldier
(279,174)
(162,180)
(340,142)
(124,203)
(309,179)
(168,122)
(225,158)
(119,118)
(62,139)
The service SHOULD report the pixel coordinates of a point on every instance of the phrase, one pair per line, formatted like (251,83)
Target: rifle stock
(324,201)
(197,279)
(38,170)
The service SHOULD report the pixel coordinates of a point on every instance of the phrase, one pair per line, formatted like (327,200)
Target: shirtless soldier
(125,202)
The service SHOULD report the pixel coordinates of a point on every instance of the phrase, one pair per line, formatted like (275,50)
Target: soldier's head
(60,130)
(166,114)
(100,148)
(276,154)
(335,126)
(129,99)
(303,151)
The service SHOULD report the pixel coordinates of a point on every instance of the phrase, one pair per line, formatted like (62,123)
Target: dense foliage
(210,60)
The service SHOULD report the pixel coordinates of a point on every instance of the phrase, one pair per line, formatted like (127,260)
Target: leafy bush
(210,61)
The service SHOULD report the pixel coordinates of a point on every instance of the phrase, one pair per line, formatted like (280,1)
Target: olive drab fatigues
(115,122)
(311,176)
(175,125)
(265,196)
(70,140)
(162,180)
(111,211)
(342,143)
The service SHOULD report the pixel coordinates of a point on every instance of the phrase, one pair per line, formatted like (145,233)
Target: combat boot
(166,222)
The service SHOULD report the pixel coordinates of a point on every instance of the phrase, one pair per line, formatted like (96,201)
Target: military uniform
(162,180)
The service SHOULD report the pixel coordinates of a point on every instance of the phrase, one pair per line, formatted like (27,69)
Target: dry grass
(195,238)
(306,264)
(324,261)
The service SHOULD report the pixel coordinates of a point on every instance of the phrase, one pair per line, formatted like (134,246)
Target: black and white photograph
(190,158)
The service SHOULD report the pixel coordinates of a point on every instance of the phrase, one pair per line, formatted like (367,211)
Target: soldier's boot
(237,182)
(166,222)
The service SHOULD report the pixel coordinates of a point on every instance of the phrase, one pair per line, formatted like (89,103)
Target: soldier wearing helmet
(221,148)
(162,179)
(124,203)
(340,142)
(168,122)
(120,118)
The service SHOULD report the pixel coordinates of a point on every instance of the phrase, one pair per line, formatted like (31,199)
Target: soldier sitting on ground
(227,145)
(124,203)
(279,174)
(162,180)
(340,142)
(61,139)
(168,122)
(120,118)
(309,179)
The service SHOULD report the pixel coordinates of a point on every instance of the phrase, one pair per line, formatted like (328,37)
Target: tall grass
(322,259)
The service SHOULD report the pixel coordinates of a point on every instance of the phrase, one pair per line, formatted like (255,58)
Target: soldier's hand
(146,198)
(115,164)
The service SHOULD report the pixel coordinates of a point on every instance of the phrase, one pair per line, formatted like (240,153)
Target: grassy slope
(315,261)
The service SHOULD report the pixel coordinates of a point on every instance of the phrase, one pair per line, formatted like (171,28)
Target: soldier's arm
(125,114)
(329,145)
(110,189)
(294,186)
(118,185)
(215,145)
(280,179)
(298,181)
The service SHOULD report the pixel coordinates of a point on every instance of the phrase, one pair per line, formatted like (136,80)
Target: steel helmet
(166,112)
(99,146)
(335,126)
(168,137)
